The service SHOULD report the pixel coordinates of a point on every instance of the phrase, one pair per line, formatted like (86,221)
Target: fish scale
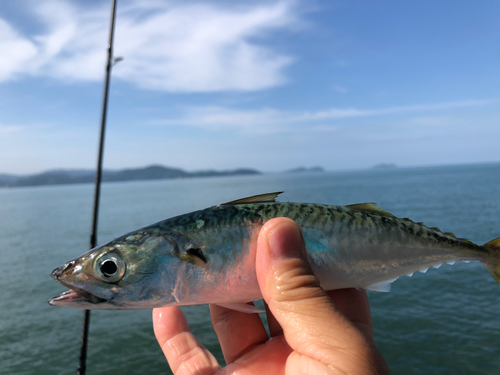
(208,256)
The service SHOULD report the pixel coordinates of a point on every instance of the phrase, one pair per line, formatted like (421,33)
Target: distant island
(76,176)
(304,169)
(385,166)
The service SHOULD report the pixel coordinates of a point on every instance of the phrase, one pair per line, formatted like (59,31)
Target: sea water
(444,322)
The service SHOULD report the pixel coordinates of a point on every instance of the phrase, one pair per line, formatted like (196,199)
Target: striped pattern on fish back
(331,220)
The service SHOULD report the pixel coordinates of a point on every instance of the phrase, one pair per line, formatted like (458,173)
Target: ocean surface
(446,321)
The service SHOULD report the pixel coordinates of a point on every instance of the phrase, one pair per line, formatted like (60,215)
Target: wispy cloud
(219,118)
(16,54)
(8,129)
(171,46)
(336,113)
(269,120)
(432,121)
(340,89)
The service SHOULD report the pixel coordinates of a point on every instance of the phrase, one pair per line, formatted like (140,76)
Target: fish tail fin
(493,268)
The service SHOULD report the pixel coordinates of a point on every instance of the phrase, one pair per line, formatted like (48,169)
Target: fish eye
(109,267)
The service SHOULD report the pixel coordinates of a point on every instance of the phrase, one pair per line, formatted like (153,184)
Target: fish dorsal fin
(493,243)
(261,198)
(370,208)
(466,241)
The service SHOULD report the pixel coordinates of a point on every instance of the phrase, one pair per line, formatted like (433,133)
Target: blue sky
(263,84)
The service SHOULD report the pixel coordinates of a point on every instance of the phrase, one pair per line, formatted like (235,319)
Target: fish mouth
(76,297)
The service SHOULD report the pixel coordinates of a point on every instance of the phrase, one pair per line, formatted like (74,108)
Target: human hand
(312,331)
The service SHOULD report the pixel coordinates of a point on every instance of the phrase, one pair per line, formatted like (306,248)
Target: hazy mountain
(8,177)
(304,169)
(78,176)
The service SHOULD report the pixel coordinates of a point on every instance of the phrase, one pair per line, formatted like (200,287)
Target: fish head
(122,274)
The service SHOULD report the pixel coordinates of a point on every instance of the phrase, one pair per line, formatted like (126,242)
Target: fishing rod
(82,363)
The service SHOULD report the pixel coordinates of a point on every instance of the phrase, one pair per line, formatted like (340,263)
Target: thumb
(322,338)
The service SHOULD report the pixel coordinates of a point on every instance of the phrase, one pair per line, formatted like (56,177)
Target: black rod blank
(82,363)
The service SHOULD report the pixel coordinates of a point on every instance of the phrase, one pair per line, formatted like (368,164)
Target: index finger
(238,332)
(184,353)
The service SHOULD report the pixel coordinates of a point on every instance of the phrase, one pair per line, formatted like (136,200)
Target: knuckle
(296,284)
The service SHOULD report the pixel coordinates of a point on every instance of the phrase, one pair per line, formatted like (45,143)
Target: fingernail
(285,241)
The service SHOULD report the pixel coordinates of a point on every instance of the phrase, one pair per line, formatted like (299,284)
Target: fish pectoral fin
(261,198)
(383,286)
(243,307)
(194,255)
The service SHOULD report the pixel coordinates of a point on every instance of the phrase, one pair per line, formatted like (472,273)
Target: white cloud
(178,47)
(218,118)
(269,120)
(202,48)
(433,121)
(336,113)
(325,128)
(8,129)
(16,52)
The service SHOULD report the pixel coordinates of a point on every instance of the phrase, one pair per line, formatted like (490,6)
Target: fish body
(208,256)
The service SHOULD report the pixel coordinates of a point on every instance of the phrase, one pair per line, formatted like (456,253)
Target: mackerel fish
(208,256)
